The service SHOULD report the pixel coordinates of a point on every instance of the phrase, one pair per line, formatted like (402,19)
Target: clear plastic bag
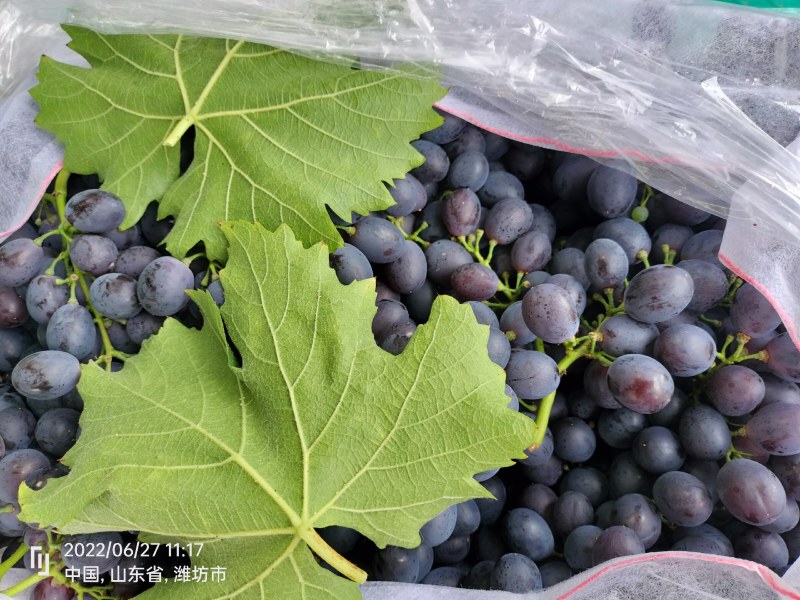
(672,91)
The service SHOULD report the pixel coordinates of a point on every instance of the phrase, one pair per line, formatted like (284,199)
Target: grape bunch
(663,388)
(75,288)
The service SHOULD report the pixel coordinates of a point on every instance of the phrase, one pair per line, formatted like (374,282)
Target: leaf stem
(60,194)
(12,560)
(330,556)
(108,348)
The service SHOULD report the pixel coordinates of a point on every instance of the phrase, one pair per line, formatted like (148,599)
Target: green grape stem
(472,242)
(669,254)
(414,235)
(330,556)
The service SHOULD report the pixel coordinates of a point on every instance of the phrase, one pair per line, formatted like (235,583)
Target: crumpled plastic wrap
(699,99)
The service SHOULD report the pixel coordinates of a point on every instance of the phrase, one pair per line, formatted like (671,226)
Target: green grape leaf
(318,427)
(277,136)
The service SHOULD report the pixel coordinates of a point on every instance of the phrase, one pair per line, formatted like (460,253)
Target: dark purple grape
(93,254)
(113,295)
(625,476)
(606,263)
(389,312)
(611,192)
(571,178)
(779,390)
(619,427)
(550,313)
(595,383)
(531,374)
(673,236)
(762,547)
(15,467)
(443,258)
(436,163)
(735,390)
(95,211)
(132,261)
(538,498)
(142,326)
(461,212)
(447,576)
(543,221)
(531,252)
(483,314)
(440,527)
(629,234)
(470,139)
(409,196)
(71,329)
(638,513)
(685,350)
(469,170)
(703,432)
(787,470)
(623,335)
(526,532)
(515,573)
(525,162)
(710,284)
(614,542)
(678,212)
(474,281)
(379,240)
(395,564)
(570,511)
(499,347)
(407,274)
(431,216)
(682,498)
(508,220)
(125,238)
(750,492)
(783,358)
(776,429)
(350,264)
(449,130)
(492,508)
(44,296)
(657,450)
(57,430)
(13,311)
(19,262)
(752,313)
(46,375)
(574,440)
(703,246)
(571,261)
(658,293)
(787,520)
(589,481)
(500,185)
(578,546)
(640,383)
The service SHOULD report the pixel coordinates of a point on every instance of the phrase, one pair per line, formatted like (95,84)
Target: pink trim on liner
(38,198)
(546,141)
(768,576)
(793,333)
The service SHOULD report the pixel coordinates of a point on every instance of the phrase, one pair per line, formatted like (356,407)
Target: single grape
(16,428)
(703,246)
(133,260)
(570,511)
(574,440)
(436,163)
(526,532)
(45,375)
(525,162)
(550,313)
(703,433)
(531,252)
(379,240)
(682,498)
(71,329)
(543,221)
(595,383)
(629,234)
(496,145)
(142,326)
(735,390)
(44,296)
(350,264)
(640,383)
(606,263)
(776,429)
(94,254)
(573,288)
(461,212)
(752,313)
(710,284)
(471,139)
(407,274)
(57,430)
(13,311)
(492,508)
(571,261)
(762,547)
(409,196)
(19,262)
(637,512)
(474,281)
(512,321)
(614,542)
(515,573)
(483,314)
(611,192)
(441,527)
(469,170)
(657,450)
(571,178)
(678,212)
(432,217)
(658,293)
(95,211)
(478,576)
(446,576)
(578,546)
(499,347)
(508,220)
(113,295)
(779,390)
(443,257)
(162,286)
(48,589)
(395,564)
(15,467)
(531,374)
(126,238)
(750,492)
(619,427)
(783,358)
(623,335)
(787,520)
(500,185)
(671,235)
(449,130)
(685,350)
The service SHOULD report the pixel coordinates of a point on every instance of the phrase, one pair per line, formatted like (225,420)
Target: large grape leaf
(278,136)
(318,427)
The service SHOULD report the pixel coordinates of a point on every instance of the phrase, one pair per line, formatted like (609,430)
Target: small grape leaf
(278,136)
(318,427)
